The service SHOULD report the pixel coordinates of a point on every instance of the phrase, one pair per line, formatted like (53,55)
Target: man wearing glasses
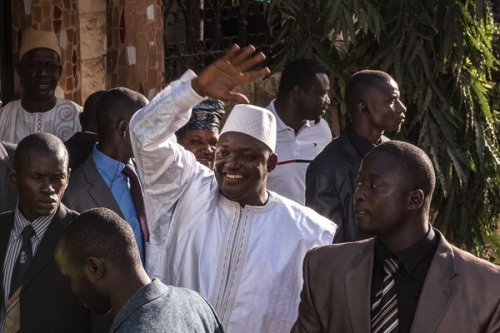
(39,110)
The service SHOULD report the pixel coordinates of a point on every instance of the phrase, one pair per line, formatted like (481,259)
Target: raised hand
(235,68)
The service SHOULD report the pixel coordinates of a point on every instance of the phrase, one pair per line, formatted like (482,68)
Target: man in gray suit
(434,286)
(99,255)
(100,181)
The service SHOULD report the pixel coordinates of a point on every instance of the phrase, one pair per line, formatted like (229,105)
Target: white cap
(252,120)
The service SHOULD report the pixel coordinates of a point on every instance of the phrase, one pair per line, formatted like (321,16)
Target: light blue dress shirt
(111,172)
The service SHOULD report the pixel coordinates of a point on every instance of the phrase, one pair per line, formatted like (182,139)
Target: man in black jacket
(372,99)
(35,297)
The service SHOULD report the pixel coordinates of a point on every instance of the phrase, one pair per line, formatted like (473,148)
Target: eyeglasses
(37,66)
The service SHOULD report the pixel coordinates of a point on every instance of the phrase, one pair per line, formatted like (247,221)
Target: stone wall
(92,45)
(135,45)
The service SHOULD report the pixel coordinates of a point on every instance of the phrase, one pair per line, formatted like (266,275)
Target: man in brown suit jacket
(439,288)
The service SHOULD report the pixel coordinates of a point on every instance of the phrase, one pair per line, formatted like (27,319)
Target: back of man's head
(300,72)
(413,164)
(361,83)
(41,141)
(102,234)
(88,118)
(115,105)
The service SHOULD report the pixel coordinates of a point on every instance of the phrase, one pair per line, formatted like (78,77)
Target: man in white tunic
(39,110)
(220,232)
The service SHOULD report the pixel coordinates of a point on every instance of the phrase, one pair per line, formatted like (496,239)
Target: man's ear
(94,269)
(296,91)
(272,161)
(416,199)
(12,174)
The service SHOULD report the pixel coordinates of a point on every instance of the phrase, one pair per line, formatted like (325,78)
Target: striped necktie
(384,312)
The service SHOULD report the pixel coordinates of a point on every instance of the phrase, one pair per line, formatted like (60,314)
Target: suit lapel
(438,290)
(45,251)
(98,190)
(357,288)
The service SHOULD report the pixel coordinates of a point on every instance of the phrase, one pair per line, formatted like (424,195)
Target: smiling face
(201,143)
(382,197)
(40,70)
(386,111)
(90,295)
(314,100)
(241,166)
(40,180)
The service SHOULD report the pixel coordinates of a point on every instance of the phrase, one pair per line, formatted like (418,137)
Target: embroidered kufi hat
(34,39)
(252,120)
(206,115)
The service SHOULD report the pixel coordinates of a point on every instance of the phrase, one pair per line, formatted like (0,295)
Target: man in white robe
(39,110)
(221,232)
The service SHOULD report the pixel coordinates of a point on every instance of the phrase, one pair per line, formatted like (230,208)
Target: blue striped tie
(384,312)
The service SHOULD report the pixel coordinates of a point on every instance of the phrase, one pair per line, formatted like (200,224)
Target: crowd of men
(148,216)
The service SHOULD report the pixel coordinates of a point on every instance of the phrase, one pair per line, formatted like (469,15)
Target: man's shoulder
(7,150)
(11,106)
(467,263)
(300,213)
(87,166)
(6,217)
(340,255)
(347,248)
(68,104)
(332,157)
(80,177)
(177,307)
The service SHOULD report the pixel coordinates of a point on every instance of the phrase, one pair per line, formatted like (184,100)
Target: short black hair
(413,163)
(100,233)
(41,141)
(300,72)
(362,82)
(115,105)
(89,114)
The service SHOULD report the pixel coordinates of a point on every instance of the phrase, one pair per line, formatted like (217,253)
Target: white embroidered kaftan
(246,261)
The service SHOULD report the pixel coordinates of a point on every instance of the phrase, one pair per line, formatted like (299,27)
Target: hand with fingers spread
(236,67)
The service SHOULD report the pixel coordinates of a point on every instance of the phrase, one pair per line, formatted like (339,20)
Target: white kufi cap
(252,120)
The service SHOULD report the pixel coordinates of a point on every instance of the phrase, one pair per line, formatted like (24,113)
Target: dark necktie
(23,260)
(384,312)
(137,197)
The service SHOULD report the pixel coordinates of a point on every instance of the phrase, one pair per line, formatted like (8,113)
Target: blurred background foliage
(444,56)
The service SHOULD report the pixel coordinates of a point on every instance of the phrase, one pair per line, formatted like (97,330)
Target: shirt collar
(110,167)
(40,224)
(409,257)
(280,125)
